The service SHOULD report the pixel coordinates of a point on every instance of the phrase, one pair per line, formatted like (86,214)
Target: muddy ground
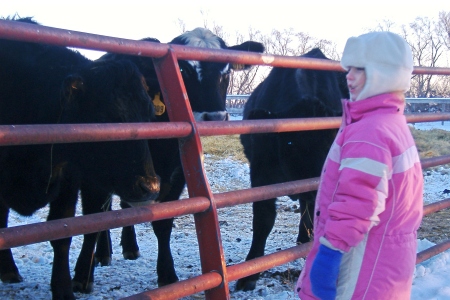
(435,227)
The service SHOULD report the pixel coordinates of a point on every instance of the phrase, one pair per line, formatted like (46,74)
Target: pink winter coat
(369,202)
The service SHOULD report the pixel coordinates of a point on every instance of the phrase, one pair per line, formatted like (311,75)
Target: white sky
(137,19)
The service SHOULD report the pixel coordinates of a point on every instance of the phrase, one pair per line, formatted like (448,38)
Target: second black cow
(281,157)
(206,85)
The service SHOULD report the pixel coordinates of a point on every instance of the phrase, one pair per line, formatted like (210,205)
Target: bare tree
(182,26)
(285,42)
(429,41)
(385,25)
(214,27)
(291,43)
(444,27)
(442,86)
(329,49)
(427,47)
(281,42)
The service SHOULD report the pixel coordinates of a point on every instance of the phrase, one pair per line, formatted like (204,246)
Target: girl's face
(356,78)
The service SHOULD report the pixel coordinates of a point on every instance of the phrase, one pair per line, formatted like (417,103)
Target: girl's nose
(349,75)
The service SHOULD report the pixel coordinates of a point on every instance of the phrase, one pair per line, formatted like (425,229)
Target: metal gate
(203,204)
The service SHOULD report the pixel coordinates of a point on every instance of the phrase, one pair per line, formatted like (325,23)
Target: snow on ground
(125,277)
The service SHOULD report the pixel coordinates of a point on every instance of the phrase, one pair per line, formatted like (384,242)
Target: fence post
(206,223)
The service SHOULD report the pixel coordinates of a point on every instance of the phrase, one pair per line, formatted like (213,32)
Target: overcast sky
(137,19)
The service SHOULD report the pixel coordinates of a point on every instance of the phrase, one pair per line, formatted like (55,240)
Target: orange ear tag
(160,108)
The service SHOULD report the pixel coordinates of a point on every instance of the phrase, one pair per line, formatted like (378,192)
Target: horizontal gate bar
(283,125)
(432,251)
(261,193)
(438,248)
(435,161)
(265,192)
(268,261)
(436,206)
(62,228)
(211,128)
(427,117)
(39,232)
(234,272)
(65,133)
(181,288)
(62,37)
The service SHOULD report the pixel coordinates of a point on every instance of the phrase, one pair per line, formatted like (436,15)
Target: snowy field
(124,277)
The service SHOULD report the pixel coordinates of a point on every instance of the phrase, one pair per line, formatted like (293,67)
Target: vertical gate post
(206,223)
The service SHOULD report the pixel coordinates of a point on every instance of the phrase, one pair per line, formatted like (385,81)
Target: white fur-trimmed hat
(386,58)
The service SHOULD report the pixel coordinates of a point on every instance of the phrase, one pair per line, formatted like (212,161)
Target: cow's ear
(72,87)
(249,46)
(246,46)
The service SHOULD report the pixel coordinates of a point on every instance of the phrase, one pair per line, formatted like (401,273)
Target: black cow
(206,85)
(281,157)
(43,84)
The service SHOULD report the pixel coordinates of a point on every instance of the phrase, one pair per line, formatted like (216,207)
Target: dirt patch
(435,227)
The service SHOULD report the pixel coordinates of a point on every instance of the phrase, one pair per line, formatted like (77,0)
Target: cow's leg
(103,252)
(163,229)
(165,267)
(130,248)
(8,269)
(305,231)
(63,207)
(264,214)
(83,280)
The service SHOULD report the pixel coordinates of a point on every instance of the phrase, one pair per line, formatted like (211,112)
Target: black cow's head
(207,82)
(111,92)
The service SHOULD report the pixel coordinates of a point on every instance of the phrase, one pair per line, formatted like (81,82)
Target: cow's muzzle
(150,187)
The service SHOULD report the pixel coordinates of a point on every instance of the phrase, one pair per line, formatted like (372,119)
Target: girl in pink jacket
(369,202)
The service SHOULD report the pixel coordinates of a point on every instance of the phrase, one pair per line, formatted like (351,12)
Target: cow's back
(30,80)
(292,93)
(285,88)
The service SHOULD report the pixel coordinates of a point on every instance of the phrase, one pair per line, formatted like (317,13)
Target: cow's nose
(151,185)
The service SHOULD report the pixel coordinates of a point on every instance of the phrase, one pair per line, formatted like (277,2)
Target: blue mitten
(324,272)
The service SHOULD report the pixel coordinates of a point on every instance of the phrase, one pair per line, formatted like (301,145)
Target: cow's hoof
(131,255)
(11,277)
(63,296)
(79,287)
(245,285)
(103,261)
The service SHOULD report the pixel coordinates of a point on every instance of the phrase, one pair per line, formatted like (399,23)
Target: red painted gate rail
(203,204)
